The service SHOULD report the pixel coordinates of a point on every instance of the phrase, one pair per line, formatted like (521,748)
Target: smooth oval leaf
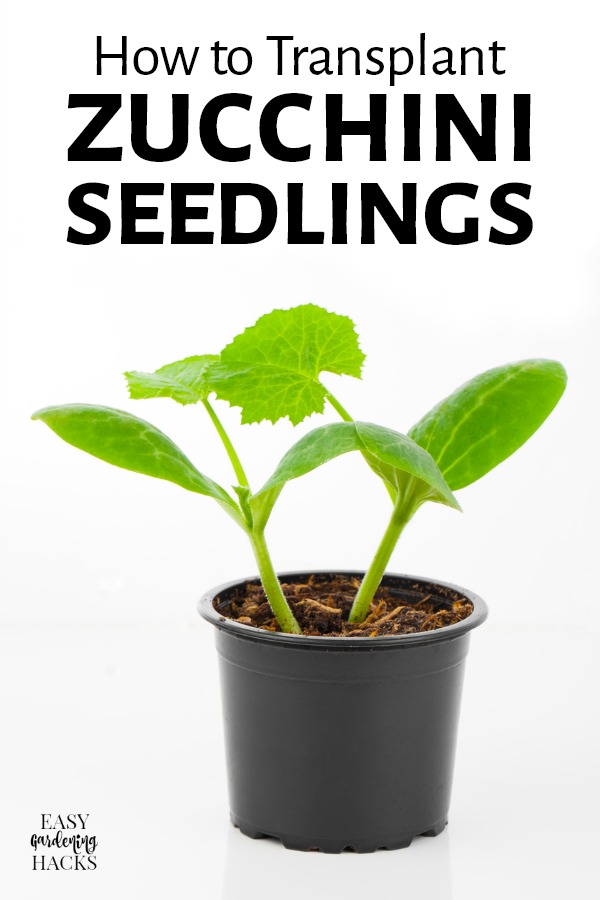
(185,381)
(272,369)
(393,450)
(489,417)
(130,443)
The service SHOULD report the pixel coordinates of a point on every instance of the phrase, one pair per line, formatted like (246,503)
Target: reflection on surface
(265,869)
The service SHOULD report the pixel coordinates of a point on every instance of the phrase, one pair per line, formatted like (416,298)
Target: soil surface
(321,604)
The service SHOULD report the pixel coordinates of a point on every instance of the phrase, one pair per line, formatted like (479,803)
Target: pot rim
(326,642)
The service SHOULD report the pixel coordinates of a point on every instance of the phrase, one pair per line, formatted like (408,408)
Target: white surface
(124,723)
(109,700)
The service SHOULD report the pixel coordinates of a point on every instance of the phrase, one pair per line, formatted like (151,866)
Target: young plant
(272,371)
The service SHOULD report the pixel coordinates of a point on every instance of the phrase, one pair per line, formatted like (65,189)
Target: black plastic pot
(341,743)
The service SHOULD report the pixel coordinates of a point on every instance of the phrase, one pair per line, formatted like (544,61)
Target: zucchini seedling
(273,370)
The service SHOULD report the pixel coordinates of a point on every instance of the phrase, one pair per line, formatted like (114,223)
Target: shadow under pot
(341,743)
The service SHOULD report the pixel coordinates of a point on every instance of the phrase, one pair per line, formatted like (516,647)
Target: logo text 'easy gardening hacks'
(64,844)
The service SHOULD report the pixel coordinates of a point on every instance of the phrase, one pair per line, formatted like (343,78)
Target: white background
(109,692)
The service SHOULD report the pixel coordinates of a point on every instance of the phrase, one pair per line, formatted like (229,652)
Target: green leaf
(489,417)
(185,381)
(395,452)
(130,443)
(272,369)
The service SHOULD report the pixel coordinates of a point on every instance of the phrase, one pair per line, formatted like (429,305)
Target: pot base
(292,842)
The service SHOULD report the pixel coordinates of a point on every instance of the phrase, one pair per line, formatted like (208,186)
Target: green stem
(235,460)
(268,577)
(401,515)
(344,414)
(270,582)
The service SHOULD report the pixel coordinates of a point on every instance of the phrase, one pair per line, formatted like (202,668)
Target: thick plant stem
(268,577)
(234,458)
(270,582)
(400,516)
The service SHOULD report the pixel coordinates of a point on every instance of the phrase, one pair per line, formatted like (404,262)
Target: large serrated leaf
(130,443)
(272,369)
(489,417)
(395,451)
(184,381)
